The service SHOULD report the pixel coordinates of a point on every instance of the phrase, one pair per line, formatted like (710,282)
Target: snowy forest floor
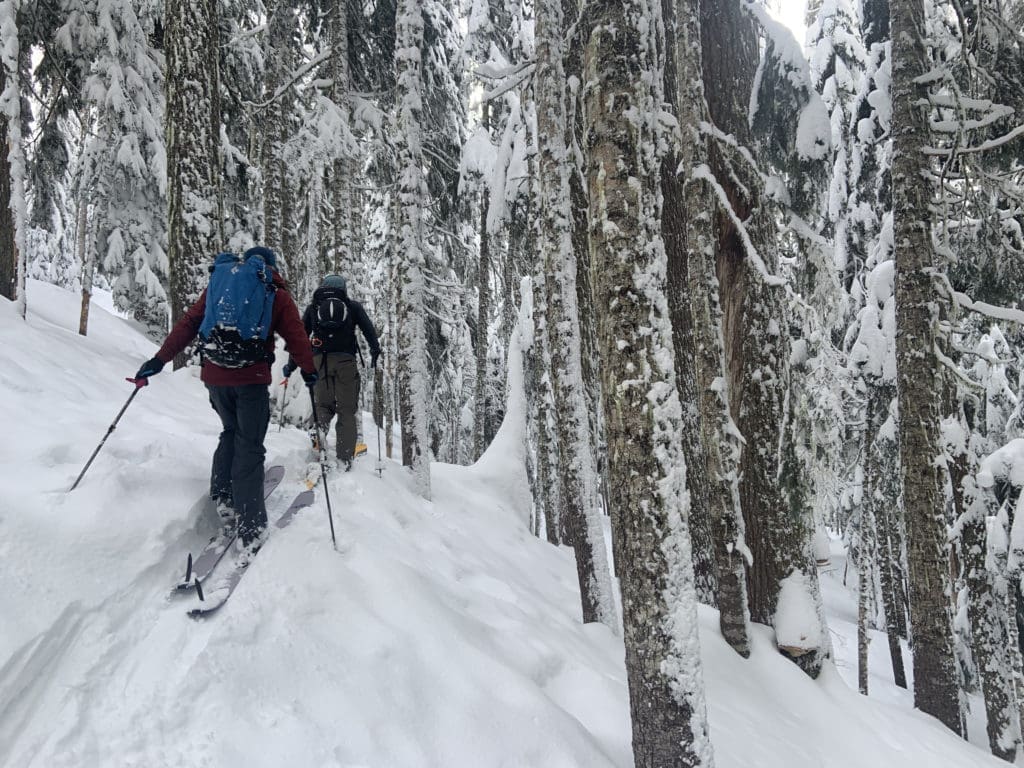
(441,634)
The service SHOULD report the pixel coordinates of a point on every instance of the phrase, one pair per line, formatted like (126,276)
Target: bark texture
(674,220)
(344,213)
(623,87)
(8,250)
(88,262)
(718,434)
(480,337)
(577,468)
(412,367)
(936,681)
(882,495)
(755,325)
(194,223)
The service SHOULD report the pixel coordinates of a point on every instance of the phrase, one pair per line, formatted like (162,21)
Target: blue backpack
(239,308)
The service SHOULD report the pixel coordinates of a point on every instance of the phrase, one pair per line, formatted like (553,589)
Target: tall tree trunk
(13,168)
(987,613)
(87,259)
(194,233)
(755,338)
(577,466)
(483,317)
(882,494)
(547,497)
(936,682)
(342,167)
(8,251)
(865,592)
(575,126)
(647,473)
(717,431)
(675,221)
(412,366)
(275,118)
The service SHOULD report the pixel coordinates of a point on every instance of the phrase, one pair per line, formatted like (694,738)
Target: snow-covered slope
(440,633)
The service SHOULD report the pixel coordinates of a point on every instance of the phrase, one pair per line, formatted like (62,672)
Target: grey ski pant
(237,473)
(337,393)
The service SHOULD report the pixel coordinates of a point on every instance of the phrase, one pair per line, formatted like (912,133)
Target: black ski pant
(337,392)
(237,473)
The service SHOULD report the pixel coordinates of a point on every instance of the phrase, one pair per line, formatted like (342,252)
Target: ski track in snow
(439,634)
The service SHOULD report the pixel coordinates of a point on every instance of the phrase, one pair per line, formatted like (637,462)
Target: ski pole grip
(139,383)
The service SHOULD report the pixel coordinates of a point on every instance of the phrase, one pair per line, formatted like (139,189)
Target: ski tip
(199,590)
(188,569)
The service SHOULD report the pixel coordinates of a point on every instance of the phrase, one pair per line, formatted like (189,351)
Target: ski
(216,597)
(196,570)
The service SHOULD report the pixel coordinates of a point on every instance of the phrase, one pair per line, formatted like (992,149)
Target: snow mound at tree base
(438,634)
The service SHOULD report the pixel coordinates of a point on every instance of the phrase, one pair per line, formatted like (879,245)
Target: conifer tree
(8,249)
(647,473)
(411,258)
(936,684)
(194,220)
(577,469)
(12,262)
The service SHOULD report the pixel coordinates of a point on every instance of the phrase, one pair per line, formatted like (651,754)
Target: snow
(442,634)
(797,624)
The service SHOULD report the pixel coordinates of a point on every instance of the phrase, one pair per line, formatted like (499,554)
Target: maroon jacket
(284,321)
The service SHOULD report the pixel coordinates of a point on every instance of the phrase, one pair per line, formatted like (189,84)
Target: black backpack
(331,316)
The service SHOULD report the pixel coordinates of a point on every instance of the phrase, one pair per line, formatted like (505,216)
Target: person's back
(237,373)
(332,317)
(331,320)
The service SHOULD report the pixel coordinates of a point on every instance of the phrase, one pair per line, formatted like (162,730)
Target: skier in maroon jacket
(241,398)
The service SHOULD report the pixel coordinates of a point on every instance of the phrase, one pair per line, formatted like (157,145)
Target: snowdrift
(440,634)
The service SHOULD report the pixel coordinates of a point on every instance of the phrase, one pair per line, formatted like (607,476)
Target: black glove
(150,368)
(373,358)
(289,369)
(310,379)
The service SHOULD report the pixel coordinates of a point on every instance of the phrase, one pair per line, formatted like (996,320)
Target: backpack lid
(239,297)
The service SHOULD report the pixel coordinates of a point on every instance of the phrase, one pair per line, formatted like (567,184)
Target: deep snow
(440,634)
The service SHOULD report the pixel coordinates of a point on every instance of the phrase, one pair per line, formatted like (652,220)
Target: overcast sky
(790,13)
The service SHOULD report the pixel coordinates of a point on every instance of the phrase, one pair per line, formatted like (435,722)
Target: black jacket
(344,341)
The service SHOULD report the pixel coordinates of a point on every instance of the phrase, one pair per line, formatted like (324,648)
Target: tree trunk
(8,250)
(674,221)
(275,118)
(577,468)
(936,682)
(87,259)
(13,170)
(989,636)
(882,494)
(412,366)
(194,233)
(483,318)
(342,167)
(757,350)
(865,592)
(647,473)
(547,497)
(717,431)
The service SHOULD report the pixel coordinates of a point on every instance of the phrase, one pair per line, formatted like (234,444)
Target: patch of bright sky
(791,13)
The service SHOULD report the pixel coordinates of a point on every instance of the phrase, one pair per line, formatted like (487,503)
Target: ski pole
(380,461)
(284,400)
(378,418)
(323,465)
(139,384)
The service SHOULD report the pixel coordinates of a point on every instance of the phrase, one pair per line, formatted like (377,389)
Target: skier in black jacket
(331,321)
